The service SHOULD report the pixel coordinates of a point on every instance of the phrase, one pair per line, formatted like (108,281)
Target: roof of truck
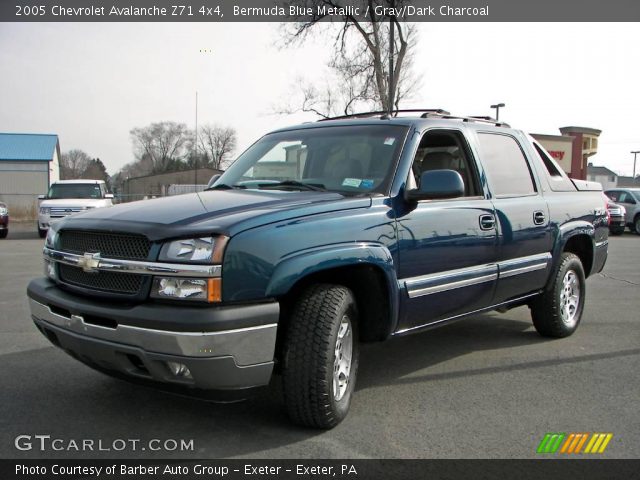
(77,181)
(401,117)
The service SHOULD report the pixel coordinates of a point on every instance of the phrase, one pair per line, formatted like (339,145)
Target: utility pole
(195,157)
(634,164)
(391,53)
(498,106)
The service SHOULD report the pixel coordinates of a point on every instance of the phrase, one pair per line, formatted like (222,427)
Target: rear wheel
(616,231)
(558,310)
(4,233)
(321,356)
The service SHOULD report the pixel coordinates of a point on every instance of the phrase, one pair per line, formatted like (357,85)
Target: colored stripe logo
(573,443)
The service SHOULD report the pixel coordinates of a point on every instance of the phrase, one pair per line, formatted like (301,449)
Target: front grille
(59,212)
(110,245)
(114,282)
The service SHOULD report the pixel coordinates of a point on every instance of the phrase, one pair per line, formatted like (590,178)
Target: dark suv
(319,237)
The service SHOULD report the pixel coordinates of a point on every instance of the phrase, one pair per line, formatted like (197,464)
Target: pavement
(485,387)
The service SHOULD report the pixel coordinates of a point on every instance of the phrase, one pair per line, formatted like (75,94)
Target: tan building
(572,148)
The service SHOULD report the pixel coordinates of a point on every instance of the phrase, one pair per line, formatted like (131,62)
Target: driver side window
(444,150)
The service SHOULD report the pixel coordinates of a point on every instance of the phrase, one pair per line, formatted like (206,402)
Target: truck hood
(217,211)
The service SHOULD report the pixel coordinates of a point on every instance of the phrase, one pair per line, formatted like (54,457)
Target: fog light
(50,269)
(204,289)
(179,370)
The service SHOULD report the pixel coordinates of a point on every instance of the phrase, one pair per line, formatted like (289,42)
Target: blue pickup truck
(319,237)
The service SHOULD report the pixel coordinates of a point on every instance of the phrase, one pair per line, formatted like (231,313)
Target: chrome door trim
(466,277)
(518,266)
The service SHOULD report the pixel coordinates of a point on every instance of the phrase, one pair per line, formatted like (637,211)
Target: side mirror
(437,184)
(42,197)
(213,180)
(108,195)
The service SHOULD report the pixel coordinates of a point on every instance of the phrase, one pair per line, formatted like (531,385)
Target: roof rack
(385,114)
(426,113)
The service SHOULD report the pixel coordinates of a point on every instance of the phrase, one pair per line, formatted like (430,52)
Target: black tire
(552,310)
(616,231)
(310,394)
(4,233)
(42,233)
(632,227)
(636,224)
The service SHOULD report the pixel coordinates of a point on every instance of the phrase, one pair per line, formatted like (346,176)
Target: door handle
(539,217)
(487,222)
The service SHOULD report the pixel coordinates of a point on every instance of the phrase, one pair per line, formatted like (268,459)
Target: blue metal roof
(27,146)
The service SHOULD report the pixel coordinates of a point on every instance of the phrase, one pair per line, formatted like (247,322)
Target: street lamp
(498,106)
(634,164)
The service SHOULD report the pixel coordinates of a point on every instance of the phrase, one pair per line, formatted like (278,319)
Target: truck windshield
(346,159)
(74,190)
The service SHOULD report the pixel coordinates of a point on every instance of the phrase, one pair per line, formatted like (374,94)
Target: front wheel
(4,233)
(636,224)
(321,356)
(558,310)
(42,233)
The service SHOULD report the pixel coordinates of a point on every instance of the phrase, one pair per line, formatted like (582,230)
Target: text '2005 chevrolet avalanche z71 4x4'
(319,237)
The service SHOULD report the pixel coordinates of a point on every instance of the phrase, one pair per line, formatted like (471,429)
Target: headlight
(45,210)
(194,250)
(50,241)
(198,289)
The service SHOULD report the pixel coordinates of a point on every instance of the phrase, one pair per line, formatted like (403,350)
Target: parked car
(4,220)
(319,237)
(629,198)
(67,197)
(617,221)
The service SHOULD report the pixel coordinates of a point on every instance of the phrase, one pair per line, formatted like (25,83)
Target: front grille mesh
(106,281)
(110,245)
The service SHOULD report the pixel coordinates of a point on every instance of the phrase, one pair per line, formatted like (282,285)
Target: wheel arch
(366,269)
(580,242)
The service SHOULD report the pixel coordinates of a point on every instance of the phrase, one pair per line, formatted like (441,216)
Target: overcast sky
(92,83)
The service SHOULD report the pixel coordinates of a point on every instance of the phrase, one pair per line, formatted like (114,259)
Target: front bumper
(617,222)
(137,342)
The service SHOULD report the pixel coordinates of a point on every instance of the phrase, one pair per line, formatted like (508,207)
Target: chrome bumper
(230,359)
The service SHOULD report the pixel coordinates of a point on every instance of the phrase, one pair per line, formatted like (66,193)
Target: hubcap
(342,359)
(570,298)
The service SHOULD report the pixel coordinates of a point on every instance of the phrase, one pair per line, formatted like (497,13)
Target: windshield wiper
(224,186)
(295,184)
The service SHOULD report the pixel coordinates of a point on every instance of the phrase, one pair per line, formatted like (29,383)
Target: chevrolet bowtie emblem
(89,262)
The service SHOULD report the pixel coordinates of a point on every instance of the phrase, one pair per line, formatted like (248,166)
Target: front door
(447,248)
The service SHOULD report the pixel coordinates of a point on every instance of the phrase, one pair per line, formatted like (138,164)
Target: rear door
(524,231)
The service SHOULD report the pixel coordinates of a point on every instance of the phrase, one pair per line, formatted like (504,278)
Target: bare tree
(73,164)
(360,61)
(217,143)
(164,144)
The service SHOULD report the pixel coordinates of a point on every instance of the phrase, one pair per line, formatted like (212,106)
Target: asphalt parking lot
(486,387)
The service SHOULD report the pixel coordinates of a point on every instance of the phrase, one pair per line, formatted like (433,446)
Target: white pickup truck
(67,197)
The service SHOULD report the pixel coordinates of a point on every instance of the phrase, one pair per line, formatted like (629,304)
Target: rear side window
(506,166)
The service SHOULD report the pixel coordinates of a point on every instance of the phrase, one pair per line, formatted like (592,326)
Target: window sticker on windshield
(390,140)
(351,182)
(366,183)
